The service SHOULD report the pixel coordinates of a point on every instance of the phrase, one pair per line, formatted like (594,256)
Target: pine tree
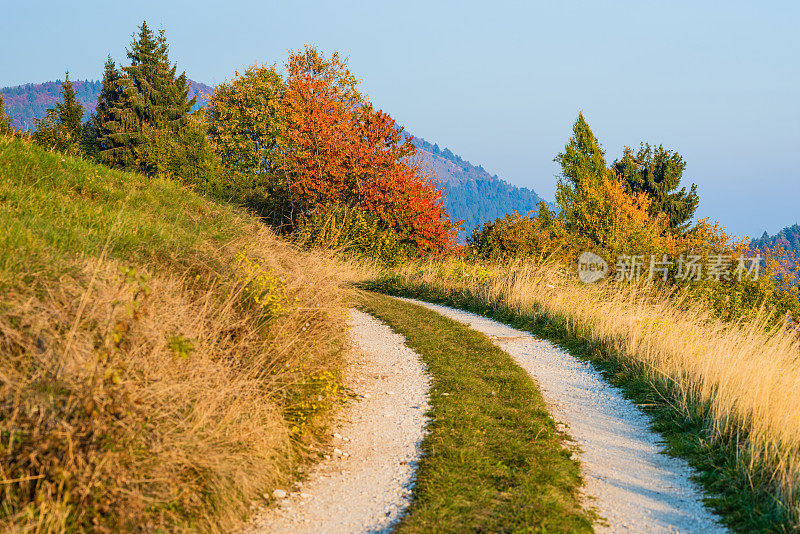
(147,105)
(5,121)
(69,112)
(657,172)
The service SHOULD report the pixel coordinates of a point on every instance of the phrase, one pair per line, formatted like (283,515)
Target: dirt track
(366,483)
(631,483)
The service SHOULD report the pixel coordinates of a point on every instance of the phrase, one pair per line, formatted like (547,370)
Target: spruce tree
(657,172)
(69,112)
(62,126)
(151,108)
(107,130)
(5,121)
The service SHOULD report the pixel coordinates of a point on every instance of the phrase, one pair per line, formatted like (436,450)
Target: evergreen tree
(583,158)
(160,98)
(62,127)
(583,169)
(69,112)
(105,120)
(151,107)
(657,172)
(5,121)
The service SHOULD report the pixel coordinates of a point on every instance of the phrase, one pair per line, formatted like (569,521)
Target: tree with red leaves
(332,148)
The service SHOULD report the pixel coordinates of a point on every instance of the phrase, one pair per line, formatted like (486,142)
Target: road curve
(365,483)
(633,486)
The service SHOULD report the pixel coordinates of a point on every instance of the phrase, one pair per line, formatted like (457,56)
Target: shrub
(515,236)
(353,231)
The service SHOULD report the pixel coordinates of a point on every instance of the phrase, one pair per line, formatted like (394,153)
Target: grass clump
(493,460)
(158,351)
(723,394)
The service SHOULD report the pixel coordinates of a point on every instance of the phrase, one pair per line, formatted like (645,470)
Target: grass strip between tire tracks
(737,494)
(493,460)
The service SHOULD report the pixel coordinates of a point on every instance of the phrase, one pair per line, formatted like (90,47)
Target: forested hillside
(471,193)
(31,100)
(788,238)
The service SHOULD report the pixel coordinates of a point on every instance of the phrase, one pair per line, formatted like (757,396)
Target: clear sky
(500,83)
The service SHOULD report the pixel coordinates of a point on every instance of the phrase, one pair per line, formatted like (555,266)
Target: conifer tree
(160,99)
(583,158)
(62,126)
(147,105)
(5,121)
(69,112)
(657,172)
(583,169)
(107,117)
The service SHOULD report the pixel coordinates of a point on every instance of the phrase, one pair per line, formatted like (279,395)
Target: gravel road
(631,483)
(365,483)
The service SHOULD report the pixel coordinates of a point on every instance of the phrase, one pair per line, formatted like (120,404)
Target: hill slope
(788,238)
(472,194)
(30,101)
(164,359)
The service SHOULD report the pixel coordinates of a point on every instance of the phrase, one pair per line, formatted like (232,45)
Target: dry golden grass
(747,373)
(164,360)
(139,403)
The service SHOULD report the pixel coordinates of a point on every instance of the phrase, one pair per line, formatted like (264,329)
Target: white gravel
(365,484)
(632,484)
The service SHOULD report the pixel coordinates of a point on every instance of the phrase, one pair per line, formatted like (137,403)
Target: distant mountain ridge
(788,238)
(24,103)
(471,193)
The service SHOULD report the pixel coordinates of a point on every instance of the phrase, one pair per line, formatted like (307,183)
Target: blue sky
(500,83)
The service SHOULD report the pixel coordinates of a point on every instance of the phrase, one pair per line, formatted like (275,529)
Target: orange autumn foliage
(340,150)
(299,147)
(619,222)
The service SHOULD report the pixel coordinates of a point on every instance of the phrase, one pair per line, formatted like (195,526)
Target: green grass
(54,206)
(738,493)
(493,461)
(164,359)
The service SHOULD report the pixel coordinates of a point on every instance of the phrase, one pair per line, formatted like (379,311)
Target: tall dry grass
(137,402)
(165,360)
(746,373)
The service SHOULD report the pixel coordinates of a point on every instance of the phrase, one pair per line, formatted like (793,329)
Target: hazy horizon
(501,84)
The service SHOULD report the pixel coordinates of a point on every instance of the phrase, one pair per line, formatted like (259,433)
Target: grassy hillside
(164,360)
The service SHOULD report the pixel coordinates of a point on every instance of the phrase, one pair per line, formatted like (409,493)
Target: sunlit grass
(740,380)
(158,351)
